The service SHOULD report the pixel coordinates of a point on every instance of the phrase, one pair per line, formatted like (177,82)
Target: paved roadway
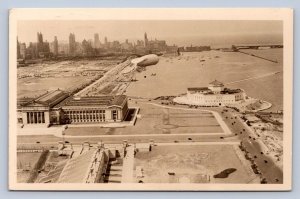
(251,142)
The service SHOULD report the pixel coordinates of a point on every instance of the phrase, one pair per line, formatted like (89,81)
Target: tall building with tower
(55,46)
(18,49)
(96,40)
(42,48)
(23,50)
(154,45)
(39,44)
(72,44)
(146,39)
(39,37)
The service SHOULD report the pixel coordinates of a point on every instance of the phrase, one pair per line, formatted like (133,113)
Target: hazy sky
(174,32)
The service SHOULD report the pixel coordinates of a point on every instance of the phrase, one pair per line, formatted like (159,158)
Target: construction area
(137,163)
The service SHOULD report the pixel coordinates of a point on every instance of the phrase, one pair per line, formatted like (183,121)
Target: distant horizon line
(195,43)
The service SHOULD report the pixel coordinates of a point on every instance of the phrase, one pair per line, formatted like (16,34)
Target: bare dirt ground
(25,163)
(191,164)
(36,79)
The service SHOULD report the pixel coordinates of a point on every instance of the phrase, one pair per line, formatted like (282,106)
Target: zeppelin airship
(146,60)
(141,62)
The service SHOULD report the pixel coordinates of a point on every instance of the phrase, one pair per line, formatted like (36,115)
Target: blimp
(146,60)
(141,62)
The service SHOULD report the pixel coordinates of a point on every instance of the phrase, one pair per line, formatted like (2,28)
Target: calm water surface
(175,75)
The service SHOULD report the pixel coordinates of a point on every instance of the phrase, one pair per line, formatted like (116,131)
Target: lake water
(196,69)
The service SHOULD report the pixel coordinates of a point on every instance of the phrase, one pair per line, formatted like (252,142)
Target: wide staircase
(114,171)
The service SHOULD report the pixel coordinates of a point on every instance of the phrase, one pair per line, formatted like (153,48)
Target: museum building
(59,107)
(214,95)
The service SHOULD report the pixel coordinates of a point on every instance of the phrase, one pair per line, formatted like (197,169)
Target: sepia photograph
(150,99)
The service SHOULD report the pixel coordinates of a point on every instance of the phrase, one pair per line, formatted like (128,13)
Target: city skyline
(181,33)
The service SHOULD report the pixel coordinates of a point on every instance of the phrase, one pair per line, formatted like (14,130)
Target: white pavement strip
(137,135)
(256,77)
(28,130)
(128,164)
(197,143)
(156,143)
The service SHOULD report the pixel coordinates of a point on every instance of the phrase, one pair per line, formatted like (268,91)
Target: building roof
(77,169)
(231,91)
(216,83)
(50,98)
(101,101)
(198,89)
(23,101)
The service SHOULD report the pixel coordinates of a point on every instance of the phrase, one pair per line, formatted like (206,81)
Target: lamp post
(63,138)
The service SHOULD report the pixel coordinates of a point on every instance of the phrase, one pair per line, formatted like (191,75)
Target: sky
(181,33)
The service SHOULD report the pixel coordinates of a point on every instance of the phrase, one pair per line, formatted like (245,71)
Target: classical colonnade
(86,116)
(35,117)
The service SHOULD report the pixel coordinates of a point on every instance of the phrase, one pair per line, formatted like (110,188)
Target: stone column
(33,119)
(87,116)
(70,115)
(39,119)
(75,116)
(84,114)
(47,118)
(33,115)
(30,117)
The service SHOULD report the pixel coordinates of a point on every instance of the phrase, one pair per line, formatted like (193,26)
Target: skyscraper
(106,45)
(55,46)
(39,44)
(39,37)
(72,44)
(96,40)
(145,39)
(18,49)
(23,50)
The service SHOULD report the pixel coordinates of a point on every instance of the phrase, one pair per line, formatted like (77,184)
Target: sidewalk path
(128,164)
